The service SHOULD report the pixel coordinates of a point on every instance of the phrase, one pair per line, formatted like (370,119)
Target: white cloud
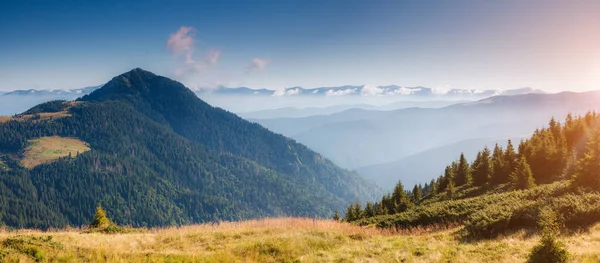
(182,40)
(258,64)
(292,92)
(286,92)
(315,91)
(441,90)
(183,43)
(403,91)
(339,92)
(371,90)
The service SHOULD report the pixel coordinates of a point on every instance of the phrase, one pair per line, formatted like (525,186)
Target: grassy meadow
(48,149)
(282,240)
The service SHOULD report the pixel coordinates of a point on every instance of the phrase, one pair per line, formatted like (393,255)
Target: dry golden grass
(47,149)
(43,115)
(279,240)
(5,119)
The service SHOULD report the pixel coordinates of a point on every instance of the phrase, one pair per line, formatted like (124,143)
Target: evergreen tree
(587,173)
(358,213)
(497,176)
(350,215)
(521,177)
(482,167)
(416,194)
(463,173)
(336,216)
(400,199)
(432,188)
(100,219)
(369,210)
(510,160)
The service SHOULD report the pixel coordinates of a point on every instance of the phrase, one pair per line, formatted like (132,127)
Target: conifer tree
(497,176)
(350,216)
(400,199)
(463,173)
(100,219)
(521,177)
(336,216)
(358,213)
(432,188)
(369,210)
(416,194)
(510,160)
(482,167)
(587,171)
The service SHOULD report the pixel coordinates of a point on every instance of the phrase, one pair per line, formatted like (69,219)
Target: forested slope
(161,156)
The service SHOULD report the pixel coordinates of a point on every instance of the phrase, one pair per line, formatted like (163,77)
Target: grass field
(47,149)
(280,240)
(5,118)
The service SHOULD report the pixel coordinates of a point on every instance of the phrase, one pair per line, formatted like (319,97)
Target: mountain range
(154,154)
(369,90)
(17,101)
(372,141)
(265,103)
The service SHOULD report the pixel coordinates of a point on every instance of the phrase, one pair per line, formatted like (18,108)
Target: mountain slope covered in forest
(161,156)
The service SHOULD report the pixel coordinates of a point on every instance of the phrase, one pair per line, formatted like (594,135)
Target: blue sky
(550,45)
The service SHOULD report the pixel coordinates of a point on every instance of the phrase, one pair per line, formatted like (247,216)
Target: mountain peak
(139,84)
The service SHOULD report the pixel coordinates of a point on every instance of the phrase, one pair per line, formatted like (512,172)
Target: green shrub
(549,250)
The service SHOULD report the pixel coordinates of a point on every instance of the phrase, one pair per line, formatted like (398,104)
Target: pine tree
(416,194)
(432,188)
(400,199)
(497,176)
(521,177)
(510,160)
(358,213)
(336,216)
(100,219)
(369,210)
(482,167)
(587,171)
(463,173)
(350,216)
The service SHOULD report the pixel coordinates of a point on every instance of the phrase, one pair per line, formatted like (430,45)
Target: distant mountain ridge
(368,90)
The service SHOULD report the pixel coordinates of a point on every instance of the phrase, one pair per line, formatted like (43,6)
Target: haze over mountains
(289,102)
(18,101)
(160,156)
(364,139)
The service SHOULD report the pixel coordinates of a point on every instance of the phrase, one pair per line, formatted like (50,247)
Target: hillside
(282,240)
(160,156)
(552,174)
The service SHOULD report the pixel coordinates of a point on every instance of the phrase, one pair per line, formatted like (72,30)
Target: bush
(549,250)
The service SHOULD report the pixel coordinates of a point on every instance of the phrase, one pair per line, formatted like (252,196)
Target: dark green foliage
(336,216)
(521,177)
(161,156)
(498,166)
(482,168)
(463,172)
(51,106)
(416,194)
(369,210)
(549,250)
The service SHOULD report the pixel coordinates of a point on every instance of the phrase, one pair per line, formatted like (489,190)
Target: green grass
(48,149)
(282,240)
